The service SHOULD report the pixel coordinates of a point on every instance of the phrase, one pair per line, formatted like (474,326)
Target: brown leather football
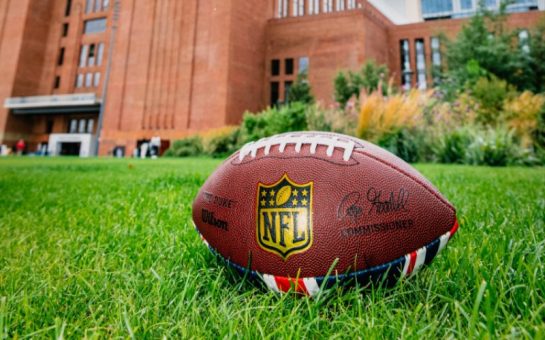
(289,208)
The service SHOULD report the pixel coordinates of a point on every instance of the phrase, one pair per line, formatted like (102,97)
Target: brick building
(131,70)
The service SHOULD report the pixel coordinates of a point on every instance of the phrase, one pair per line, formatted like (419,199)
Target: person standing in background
(20,147)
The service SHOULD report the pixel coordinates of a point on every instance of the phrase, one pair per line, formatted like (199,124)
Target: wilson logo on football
(284,217)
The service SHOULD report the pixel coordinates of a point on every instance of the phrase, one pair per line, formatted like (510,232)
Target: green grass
(104,248)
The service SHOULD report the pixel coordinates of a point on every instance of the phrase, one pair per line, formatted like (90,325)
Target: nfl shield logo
(284,217)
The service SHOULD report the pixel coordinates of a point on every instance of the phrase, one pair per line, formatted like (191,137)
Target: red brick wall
(333,42)
(23,37)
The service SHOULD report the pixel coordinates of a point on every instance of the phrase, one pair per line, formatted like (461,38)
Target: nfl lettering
(284,217)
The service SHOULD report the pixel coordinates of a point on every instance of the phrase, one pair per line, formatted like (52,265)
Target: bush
(332,120)
(479,145)
(380,115)
(221,142)
(369,78)
(403,143)
(491,94)
(272,121)
(300,91)
(494,147)
(523,115)
(190,146)
(453,145)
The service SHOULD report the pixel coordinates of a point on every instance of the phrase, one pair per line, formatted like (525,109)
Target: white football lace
(299,140)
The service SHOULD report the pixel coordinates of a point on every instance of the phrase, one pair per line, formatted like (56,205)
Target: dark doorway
(70,149)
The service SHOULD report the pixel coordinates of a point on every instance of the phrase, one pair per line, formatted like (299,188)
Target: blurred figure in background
(20,147)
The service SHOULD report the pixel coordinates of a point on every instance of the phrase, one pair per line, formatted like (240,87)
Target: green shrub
(331,120)
(403,143)
(221,142)
(301,91)
(368,78)
(451,148)
(317,119)
(190,146)
(494,147)
(272,121)
(491,94)
(539,133)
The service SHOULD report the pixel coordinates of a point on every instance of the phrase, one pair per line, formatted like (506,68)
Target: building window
(60,61)
(282,8)
(81,126)
(73,126)
(94,26)
(100,54)
(522,6)
(405,64)
(90,125)
(98,5)
(466,5)
(298,8)
(328,6)
(303,65)
(432,9)
(524,41)
(275,92)
(79,80)
(340,5)
(49,126)
(65,29)
(491,4)
(275,67)
(314,7)
(68,8)
(88,80)
(91,56)
(105,4)
(288,66)
(287,87)
(97,79)
(83,56)
(421,64)
(351,4)
(436,51)
(57,83)
(88,6)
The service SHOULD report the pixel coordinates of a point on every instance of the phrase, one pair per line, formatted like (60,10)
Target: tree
(342,89)
(487,43)
(301,91)
(352,83)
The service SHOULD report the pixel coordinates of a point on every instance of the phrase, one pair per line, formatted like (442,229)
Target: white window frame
(88,80)
(421,71)
(328,6)
(314,7)
(83,56)
(96,79)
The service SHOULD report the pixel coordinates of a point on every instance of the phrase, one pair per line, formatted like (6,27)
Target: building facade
(84,76)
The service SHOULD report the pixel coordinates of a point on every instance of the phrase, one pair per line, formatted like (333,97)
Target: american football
(304,210)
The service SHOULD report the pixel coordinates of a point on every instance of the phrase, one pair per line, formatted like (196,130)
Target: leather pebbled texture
(367,211)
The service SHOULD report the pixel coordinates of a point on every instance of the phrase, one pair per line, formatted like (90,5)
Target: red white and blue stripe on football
(388,273)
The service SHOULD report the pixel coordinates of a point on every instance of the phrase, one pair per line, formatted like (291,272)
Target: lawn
(105,248)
